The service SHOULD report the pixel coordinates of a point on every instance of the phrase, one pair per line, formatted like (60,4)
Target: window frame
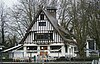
(41,16)
(66,48)
(43,36)
(42,23)
(54,48)
(91,44)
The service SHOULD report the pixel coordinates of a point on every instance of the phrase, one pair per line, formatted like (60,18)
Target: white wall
(18,54)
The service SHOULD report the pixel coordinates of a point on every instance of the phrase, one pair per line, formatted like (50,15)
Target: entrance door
(43,52)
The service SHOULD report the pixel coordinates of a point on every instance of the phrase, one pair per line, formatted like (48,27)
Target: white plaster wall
(70,52)
(18,54)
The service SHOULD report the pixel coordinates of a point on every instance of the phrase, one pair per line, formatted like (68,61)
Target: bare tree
(2,19)
(74,19)
(21,16)
(94,21)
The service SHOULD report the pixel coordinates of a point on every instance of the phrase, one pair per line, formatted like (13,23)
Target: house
(44,37)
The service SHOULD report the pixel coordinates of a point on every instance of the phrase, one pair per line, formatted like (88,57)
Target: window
(91,44)
(43,36)
(43,48)
(75,49)
(31,47)
(42,23)
(55,48)
(41,16)
(66,48)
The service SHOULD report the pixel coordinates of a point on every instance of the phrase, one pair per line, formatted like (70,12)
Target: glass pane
(42,23)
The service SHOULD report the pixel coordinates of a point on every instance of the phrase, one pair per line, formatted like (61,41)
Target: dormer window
(42,23)
(41,16)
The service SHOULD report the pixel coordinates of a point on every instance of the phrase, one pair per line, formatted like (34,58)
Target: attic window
(41,16)
(42,23)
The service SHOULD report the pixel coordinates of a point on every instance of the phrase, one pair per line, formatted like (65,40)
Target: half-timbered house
(44,37)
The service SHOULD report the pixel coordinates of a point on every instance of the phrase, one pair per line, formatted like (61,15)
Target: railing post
(99,61)
(92,61)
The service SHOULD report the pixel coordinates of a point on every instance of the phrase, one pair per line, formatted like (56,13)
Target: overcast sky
(9,3)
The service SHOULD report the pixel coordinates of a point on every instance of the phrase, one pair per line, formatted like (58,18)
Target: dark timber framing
(53,21)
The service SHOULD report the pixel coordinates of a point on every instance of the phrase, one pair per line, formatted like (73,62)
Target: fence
(79,62)
(55,62)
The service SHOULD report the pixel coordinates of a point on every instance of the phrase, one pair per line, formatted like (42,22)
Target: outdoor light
(42,48)
(28,48)
(0,48)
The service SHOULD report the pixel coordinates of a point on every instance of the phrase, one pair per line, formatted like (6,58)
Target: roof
(58,28)
(15,47)
(53,22)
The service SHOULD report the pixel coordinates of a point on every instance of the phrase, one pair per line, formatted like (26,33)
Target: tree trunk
(81,52)
(2,36)
(2,26)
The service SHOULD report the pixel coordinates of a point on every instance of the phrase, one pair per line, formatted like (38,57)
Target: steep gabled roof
(54,23)
(56,26)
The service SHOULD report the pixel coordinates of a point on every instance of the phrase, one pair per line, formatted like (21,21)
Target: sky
(9,3)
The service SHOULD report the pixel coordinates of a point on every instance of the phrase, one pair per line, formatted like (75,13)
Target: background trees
(2,23)
(81,18)
(85,17)
(94,21)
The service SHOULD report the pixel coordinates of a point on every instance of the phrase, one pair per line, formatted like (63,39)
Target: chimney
(52,11)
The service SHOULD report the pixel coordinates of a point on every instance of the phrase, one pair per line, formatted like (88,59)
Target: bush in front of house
(77,59)
(7,60)
(86,59)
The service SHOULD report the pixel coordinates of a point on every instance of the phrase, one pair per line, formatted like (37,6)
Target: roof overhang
(13,48)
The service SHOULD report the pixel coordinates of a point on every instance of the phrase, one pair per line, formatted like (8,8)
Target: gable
(52,22)
(44,31)
(40,25)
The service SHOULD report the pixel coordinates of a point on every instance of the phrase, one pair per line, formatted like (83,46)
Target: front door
(43,50)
